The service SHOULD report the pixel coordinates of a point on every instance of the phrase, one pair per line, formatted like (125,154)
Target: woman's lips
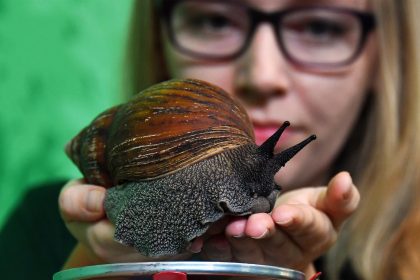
(263,132)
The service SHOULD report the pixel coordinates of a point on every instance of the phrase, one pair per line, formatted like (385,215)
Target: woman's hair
(382,153)
(374,240)
(144,59)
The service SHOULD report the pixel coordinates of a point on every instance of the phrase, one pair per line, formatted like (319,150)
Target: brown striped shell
(161,130)
(181,156)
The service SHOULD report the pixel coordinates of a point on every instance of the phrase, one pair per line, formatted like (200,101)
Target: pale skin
(303,225)
(306,219)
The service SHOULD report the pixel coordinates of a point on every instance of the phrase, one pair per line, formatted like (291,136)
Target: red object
(316,276)
(170,275)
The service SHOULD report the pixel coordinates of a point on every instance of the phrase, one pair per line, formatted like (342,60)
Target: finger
(308,227)
(256,226)
(99,239)
(196,245)
(243,234)
(94,234)
(272,241)
(81,202)
(261,242)
(245,249)
(216,248)
(236,227)
(280,249)
(340,200)
(259,226)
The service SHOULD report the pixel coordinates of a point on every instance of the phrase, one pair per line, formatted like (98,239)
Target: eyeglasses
(311,36)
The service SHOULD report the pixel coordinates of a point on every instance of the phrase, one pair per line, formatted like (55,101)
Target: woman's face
(273,90)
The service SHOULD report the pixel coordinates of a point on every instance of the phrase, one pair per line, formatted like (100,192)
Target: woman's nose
(262,70)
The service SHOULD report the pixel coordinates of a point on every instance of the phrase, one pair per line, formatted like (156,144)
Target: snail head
(259,168)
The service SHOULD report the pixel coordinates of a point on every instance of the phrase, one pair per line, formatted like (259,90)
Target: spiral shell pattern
(163,129)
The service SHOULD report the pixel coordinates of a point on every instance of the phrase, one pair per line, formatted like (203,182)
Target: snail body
(176,158)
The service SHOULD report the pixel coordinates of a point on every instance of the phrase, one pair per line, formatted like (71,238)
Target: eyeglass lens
(221,29)
(213,28)
(320,36)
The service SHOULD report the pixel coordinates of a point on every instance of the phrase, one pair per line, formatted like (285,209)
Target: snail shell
(176,158)
(161,130)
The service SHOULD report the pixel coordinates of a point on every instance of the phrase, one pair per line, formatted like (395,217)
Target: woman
(345,70)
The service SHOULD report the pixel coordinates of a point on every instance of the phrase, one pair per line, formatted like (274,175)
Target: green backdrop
(60,65)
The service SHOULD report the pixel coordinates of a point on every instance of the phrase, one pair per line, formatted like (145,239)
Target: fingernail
(347,188)
(347,194)
(238,235)
(284,220)
(262,235)
(196,245)
(95,200)
(195,249)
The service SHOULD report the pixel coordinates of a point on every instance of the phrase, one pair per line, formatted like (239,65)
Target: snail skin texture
(176,158)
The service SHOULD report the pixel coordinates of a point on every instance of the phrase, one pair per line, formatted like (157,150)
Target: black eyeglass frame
(366,19)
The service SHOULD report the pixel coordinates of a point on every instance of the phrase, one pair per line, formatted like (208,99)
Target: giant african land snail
(176,158)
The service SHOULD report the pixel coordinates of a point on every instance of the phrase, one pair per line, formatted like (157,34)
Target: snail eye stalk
(267,148)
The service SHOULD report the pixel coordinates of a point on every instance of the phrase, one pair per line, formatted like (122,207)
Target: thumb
(81,202)
(340,200)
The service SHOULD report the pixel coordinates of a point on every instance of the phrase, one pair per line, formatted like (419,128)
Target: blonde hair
(383,152)
(389,181)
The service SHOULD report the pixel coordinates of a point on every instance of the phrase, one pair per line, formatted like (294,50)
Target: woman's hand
(81,207)
(302,226)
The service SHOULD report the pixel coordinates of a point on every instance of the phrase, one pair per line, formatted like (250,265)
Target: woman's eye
(210,23)
(323,28)
(318,30)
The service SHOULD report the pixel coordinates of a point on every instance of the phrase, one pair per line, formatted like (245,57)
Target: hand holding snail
(302,226)
(176,158)
(315,215)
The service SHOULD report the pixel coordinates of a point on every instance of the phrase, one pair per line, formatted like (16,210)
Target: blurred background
(60,66)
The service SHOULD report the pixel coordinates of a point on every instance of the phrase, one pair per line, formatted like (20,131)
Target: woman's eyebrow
(278,5)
